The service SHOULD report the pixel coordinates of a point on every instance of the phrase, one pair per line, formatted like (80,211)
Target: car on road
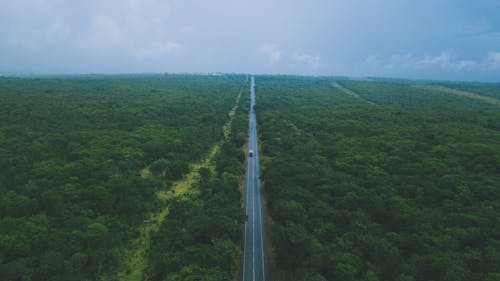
(250,153)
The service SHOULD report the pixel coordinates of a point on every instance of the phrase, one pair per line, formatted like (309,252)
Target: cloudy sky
(437,39)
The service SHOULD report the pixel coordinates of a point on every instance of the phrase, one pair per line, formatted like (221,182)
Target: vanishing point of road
(254,262)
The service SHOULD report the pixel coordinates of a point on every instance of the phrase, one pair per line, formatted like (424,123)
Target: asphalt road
(254,262)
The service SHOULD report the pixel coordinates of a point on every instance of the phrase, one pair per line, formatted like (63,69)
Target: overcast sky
(437,39)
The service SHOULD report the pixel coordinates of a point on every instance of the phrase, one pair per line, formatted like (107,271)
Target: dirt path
(489,100)
(349,92)
(135,256)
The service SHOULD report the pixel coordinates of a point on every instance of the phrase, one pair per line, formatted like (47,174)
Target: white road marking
(253,234)
(252,190)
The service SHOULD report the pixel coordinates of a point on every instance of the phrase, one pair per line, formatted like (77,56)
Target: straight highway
(254,262)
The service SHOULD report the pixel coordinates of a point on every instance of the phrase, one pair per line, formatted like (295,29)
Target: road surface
(254,262)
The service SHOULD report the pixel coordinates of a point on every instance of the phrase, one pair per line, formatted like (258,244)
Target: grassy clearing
(145,173)
(228,125)
(349,92)
(489,100)
(135,256)
(135,260)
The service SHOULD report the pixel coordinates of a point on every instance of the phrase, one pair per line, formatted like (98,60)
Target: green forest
(200,240)
(371,180)
(380,180)
(71,152)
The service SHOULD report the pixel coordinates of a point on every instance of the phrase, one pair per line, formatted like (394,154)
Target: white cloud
(136,28)
(494,60)
(131,27)
(401,61)
(187,29)
(409,61)
(25,26)
(272,53)
(104,33)
(158,49)
(44,36)
(462,64)
(304,61)
(372,60)
(58,30)
(441,59)
(312,61)
(149,17)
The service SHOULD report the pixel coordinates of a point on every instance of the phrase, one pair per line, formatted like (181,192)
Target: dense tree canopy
(200,240)
(387,182)
(71,152)
(396,183)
